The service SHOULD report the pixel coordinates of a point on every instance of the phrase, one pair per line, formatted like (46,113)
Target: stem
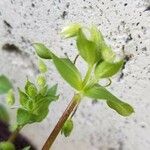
(70,108)
(87,76)
(14,135)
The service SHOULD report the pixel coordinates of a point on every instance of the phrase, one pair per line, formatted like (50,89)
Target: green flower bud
(41,81)
(10,99)
(6,146)
(71,30)
(67,128)
(42,66)
(42,51)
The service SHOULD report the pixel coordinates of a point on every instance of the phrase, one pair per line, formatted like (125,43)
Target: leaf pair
(99,92)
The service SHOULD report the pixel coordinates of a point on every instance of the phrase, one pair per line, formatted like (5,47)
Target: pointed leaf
(23,98)
(87,49)
(30,89)
(105,69)
(52,90)
(42,51)
(99,92)
(5,84)
(96,36)
(24,117)
(107,53)
(68,71)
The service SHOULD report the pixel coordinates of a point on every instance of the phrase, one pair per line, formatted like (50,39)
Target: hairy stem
(14,135)
(70,108)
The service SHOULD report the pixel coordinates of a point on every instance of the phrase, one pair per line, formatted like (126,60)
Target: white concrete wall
(125,23)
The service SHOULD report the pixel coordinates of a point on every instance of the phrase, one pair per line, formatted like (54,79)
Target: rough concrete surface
(125,25)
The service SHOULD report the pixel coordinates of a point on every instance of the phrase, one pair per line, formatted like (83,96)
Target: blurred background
(125,25)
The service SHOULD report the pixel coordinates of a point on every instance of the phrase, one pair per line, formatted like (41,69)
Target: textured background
(125,25)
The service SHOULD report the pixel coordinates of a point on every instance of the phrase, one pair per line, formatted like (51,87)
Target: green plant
(102,64)
(34,101)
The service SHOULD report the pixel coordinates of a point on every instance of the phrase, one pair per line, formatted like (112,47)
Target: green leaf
(43,91)
(67,128)
(122,108)
(52,90)
(6,146)
(5,84)
(10,99)
(24,117)
(42,51)
(68,71)
(87,49)
(105,69)
(96,36)
(71,30)
(4,116)
(23,98)
(107,53)
(30,89)
(42,66)
(99,92)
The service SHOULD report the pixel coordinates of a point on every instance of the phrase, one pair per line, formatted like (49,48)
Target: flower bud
(71,30)
(67,128)
(10,97)
(42,51)
(41,81)
(42,66)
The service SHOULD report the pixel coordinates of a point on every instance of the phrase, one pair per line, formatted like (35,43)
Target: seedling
(102,64)
(34,101)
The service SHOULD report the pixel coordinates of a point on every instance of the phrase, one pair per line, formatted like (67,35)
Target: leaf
(87,49)
(4,116)
(107,53)
(68,71)
(43,91)
(71,30)
(122,108)
(5,84)
(6,146)
(23,98)
(96,36)
(52,90)
(99,92)
(105,69)
(30,89)
(24,117)
(67,128)
(42,51)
